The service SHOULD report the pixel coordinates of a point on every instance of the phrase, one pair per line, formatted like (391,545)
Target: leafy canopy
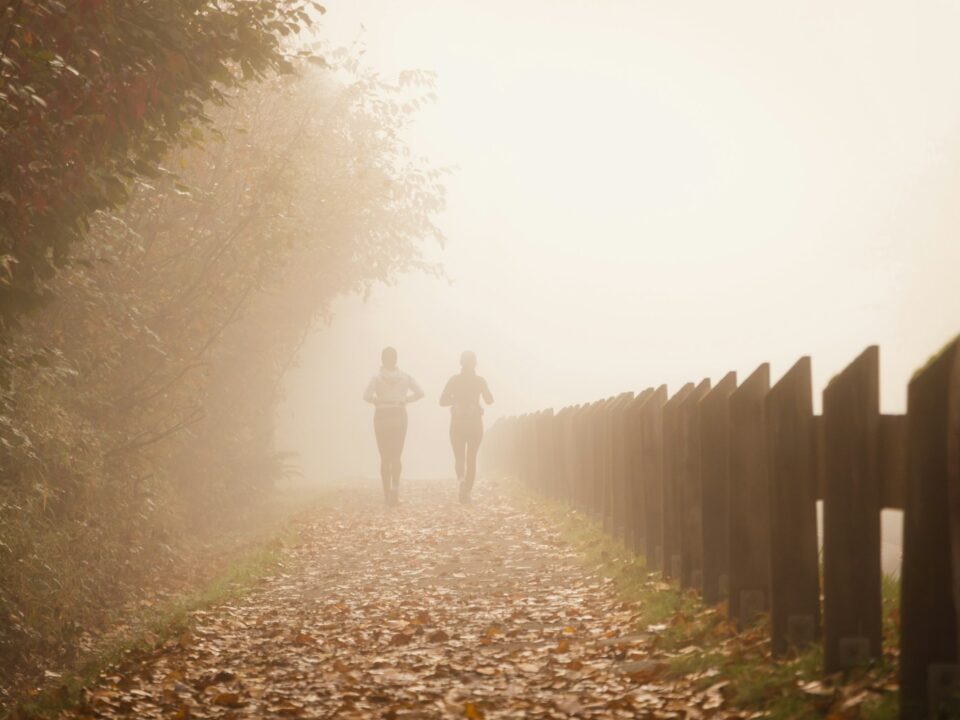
(93,94)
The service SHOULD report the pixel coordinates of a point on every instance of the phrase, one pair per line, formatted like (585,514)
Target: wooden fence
(717,488)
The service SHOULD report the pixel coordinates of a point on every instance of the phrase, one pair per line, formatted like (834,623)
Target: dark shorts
(467,429)
(390,427)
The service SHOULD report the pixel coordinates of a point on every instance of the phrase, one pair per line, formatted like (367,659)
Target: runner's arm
(370,394)
(485,392)
(416,392)
(446,397)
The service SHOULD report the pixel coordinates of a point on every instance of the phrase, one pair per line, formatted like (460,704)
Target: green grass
(166,620)
(759,682)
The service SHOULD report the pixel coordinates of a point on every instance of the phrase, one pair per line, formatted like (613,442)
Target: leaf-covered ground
(429,609)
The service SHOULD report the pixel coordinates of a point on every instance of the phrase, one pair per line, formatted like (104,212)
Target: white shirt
(392,388)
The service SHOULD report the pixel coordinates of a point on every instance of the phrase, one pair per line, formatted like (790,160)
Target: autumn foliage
(93,93)
(177,215)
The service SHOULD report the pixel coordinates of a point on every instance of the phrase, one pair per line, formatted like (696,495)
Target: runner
(390,391)
(462,395)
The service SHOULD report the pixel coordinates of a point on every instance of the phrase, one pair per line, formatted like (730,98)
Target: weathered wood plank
(581,481)
(513,445)
(930,582)
(576,453)
(820,453)
(529,449)
(893,460)
(672,512)
(792,473)
(715,480)
(617,486)
(615,482)
(690,489)
(599,457)
(749,528)
(650,428)
(604,448)
(559,480)
(546,441)
(555,480)
(589,456)
(635,498)
(570,451)
(591,479)
(536,433)
(851,514)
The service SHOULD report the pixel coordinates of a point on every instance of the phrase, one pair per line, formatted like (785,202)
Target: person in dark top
(462,395)
(390,391)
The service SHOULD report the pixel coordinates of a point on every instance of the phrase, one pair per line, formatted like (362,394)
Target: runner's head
(388,358)
(468,360)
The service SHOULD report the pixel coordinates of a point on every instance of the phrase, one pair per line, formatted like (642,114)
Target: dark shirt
(462,395)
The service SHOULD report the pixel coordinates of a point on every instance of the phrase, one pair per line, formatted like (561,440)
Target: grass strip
(700,645)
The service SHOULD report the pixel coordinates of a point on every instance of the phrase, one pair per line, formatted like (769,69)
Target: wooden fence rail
(717,487)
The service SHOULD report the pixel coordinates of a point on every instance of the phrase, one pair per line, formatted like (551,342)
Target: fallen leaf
(228,699)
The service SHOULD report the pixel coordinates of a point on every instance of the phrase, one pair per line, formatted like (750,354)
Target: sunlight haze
(637,198)
(458,359)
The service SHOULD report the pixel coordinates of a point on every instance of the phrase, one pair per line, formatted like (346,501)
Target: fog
(651,193)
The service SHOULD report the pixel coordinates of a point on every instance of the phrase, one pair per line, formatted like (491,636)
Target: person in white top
(390,391)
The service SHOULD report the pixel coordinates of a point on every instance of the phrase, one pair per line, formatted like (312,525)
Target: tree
(140,397)
(93,95)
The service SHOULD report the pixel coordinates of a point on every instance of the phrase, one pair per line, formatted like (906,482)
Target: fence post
(515,446)
(593,453)
(520,448)
(634,499)
(590,476)
(715,481)
(690,489)
(559,482)
(508,447)
(617,482)
(565,451)
(579,454)
(488,451)
(672,515)
(792,474)
(650,426)
(589,453)
(546,454)
(603,462)
(617,486)
(605,447)
(930,582)
(596,458)
(749,529)
(603,467)
(851,515)
(500,456)
(543,453)
(533,449)
(606,466)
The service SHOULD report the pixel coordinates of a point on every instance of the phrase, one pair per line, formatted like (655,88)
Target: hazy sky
(654,192)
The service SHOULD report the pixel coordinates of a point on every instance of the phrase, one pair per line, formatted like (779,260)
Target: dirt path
(424,610)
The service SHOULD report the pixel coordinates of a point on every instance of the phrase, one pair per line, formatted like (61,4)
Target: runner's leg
(459,442)
(473,438)
(400,439)
(382,432)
